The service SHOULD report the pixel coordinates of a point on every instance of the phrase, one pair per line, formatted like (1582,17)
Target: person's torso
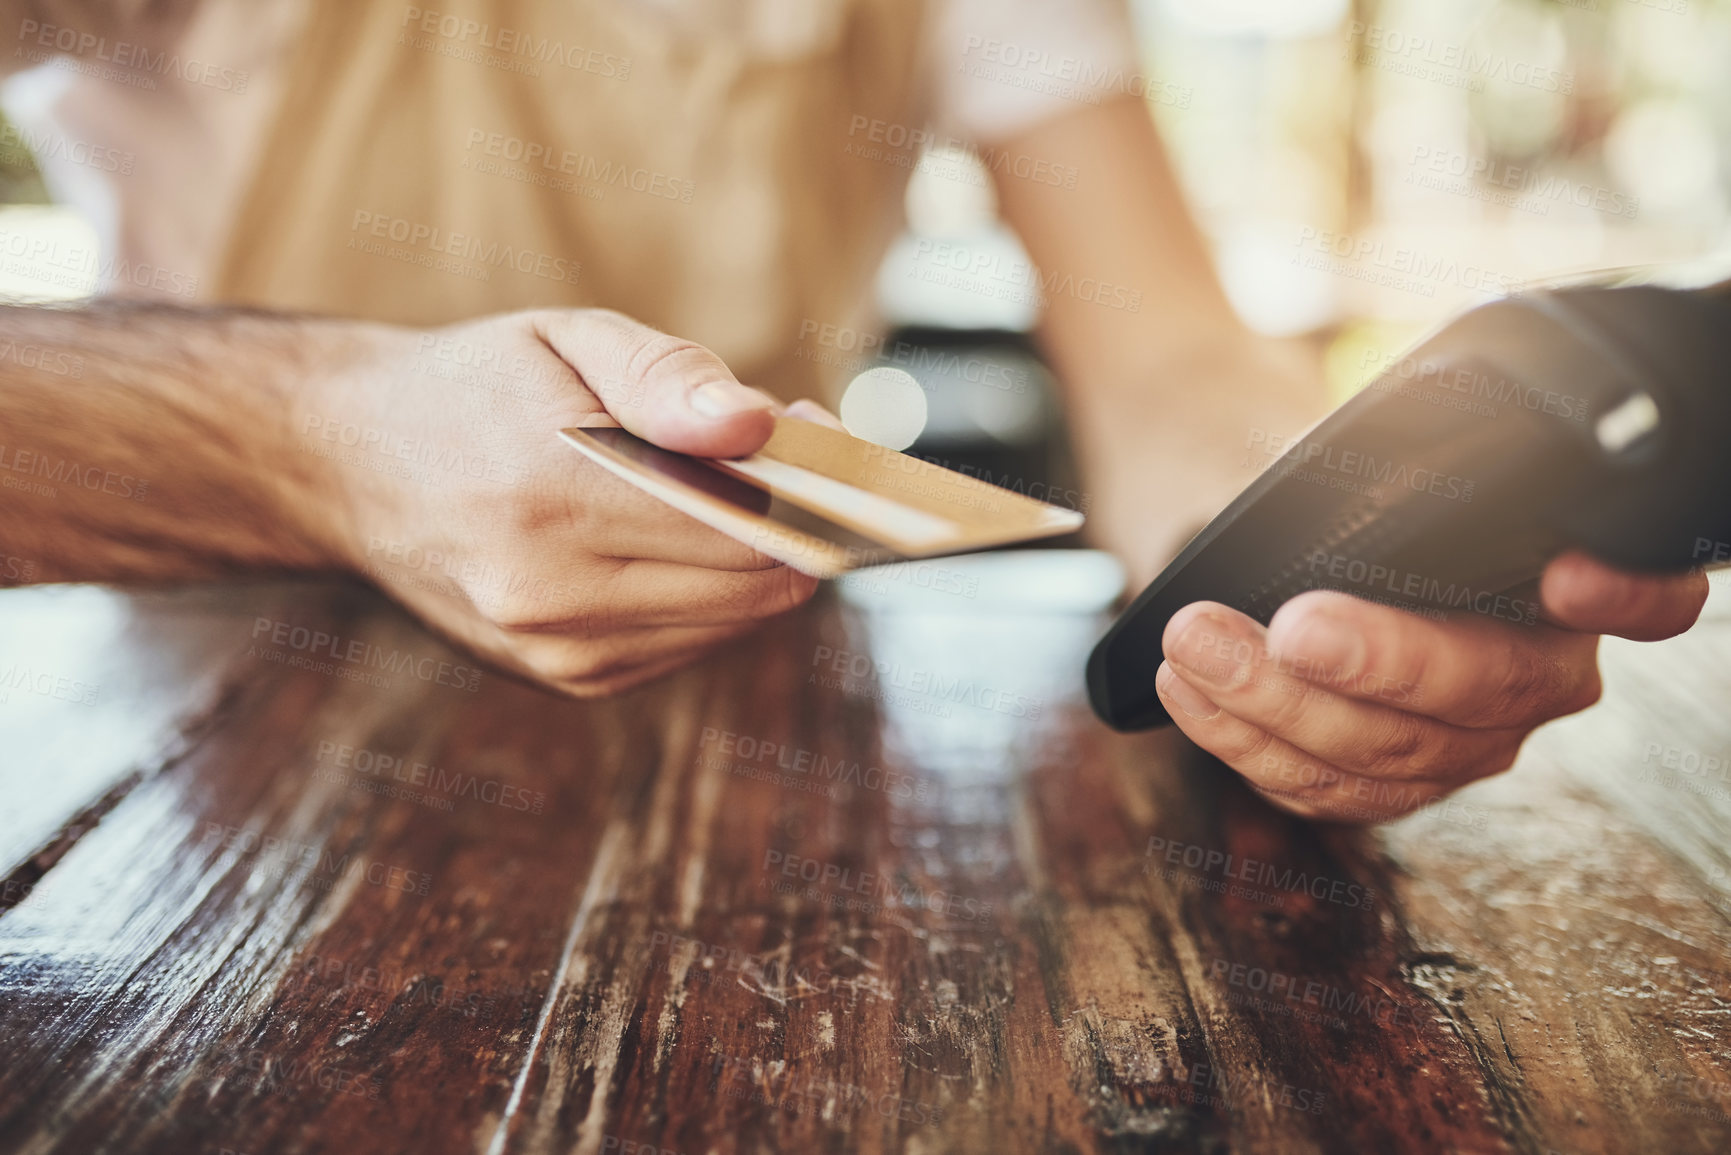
(683,161)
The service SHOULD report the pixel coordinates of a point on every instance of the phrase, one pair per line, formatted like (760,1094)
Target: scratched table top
(283,873)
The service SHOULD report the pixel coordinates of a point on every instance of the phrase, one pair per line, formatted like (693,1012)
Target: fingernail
(1175,691)
(727,398)
(1216,651)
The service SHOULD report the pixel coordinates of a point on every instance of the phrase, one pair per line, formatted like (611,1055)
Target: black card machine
(1591,418)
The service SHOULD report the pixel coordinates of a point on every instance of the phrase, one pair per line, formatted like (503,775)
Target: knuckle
(624,676)
(792,589)
(525,517)
(763,594)
(583,690)
(1526,680)
(662,354)
(1285,701)
(503,608)
(1587,692)
(584,670)
(1290,802)
(1402,744)
(1245,748)
(1504,755)
(526,610)
(1414,801)
(599,687)
(1395,657)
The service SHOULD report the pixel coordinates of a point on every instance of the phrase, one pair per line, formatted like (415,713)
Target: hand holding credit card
(825,502)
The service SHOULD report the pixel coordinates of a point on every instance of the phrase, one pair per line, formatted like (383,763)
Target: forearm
(146,442)
(1164,384)
(42,28)
(1125,223)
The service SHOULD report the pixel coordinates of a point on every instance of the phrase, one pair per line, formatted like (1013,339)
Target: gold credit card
(824,502)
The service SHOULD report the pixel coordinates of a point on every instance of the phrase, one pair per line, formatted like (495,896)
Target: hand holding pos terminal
(1592,418)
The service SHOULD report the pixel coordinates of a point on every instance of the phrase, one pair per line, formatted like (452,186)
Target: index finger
(1585,594)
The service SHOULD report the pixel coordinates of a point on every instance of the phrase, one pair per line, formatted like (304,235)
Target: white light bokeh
(1664,150)
(1256,17)
(47,253)
(885,406)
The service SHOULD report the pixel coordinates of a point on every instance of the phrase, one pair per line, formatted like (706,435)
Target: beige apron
(500,154)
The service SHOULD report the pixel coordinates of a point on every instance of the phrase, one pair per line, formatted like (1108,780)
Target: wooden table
(865,882)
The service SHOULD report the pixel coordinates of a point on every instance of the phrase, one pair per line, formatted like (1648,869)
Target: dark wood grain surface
(869,881)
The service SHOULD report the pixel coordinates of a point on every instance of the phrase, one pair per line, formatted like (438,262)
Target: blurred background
(1364,169)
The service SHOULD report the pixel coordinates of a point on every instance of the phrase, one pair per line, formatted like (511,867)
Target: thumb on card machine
(825,502)
(1586,418)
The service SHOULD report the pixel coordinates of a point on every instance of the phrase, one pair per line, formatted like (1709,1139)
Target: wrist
(324,425)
